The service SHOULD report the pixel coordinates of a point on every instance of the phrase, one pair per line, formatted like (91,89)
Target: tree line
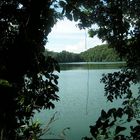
(100,53)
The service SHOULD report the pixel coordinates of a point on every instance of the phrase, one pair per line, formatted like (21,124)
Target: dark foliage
(111,124)
(118,83)
(27,82)
(64,56)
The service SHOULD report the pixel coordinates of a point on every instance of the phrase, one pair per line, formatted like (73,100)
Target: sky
(67,36)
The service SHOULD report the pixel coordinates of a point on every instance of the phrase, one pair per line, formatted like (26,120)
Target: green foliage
(4,83)
(34,129)
(64,56)
(101,53)
(31,131)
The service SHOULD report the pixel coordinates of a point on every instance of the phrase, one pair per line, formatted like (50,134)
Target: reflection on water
(91,65)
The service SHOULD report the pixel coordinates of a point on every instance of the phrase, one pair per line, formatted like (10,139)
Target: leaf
(55,76)
(125,102)
(129,94)
(50,105)
(75,15)
(94,131)
(111,111)
(69,16)
(119,112)
(92,32)
(55,81)
(103,115)
(138,121)
(62,4)
(119,129)
(57,68)
(105,126)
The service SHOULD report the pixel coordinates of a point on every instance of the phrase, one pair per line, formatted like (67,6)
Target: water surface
(81,101)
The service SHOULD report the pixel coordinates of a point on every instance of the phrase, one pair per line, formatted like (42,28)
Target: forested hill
(100,53)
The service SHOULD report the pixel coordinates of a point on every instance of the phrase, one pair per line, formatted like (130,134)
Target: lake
(81,100)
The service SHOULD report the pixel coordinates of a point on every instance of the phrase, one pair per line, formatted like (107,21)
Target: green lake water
(81,100)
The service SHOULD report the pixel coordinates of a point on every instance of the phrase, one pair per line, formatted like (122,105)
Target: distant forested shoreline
(100,53)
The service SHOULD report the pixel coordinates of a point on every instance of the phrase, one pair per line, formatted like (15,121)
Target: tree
(100,53)
(27,82)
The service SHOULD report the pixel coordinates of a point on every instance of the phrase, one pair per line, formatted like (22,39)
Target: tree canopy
(27,82)
(100,53)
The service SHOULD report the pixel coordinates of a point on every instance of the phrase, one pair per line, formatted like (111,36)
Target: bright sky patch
(67,36)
